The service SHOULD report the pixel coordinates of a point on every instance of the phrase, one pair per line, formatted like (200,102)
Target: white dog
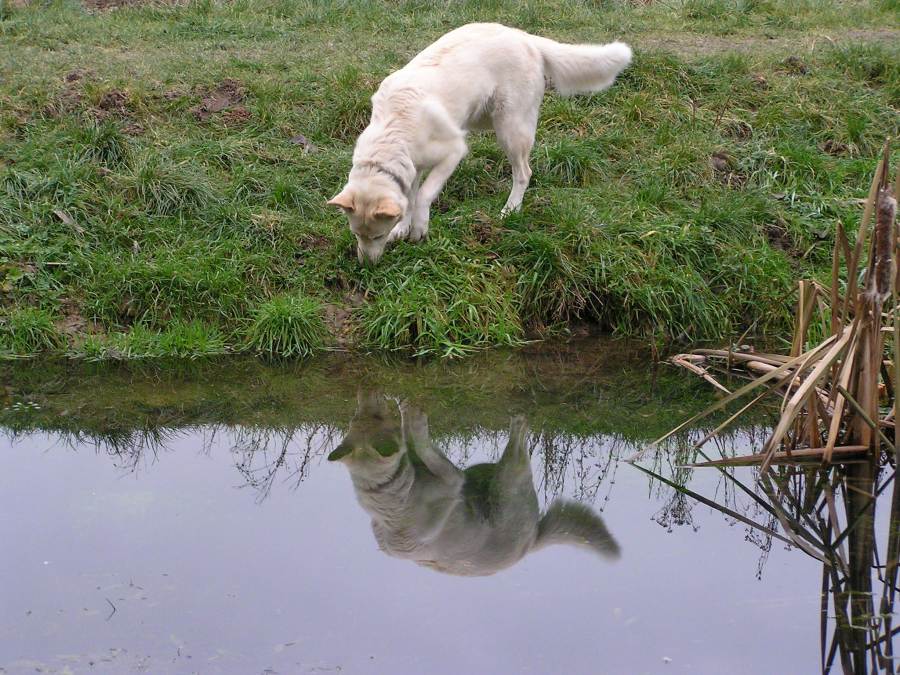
(474,522)
(478,76)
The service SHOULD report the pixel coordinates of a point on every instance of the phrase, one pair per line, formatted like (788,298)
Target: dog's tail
(574,69)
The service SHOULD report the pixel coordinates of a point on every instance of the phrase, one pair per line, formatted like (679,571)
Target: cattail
(885,210)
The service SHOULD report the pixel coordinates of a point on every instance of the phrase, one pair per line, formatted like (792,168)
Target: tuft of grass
(553,283)
(165,187)
(288,326)
(568,162)
(433,301)
(153,286)
(26,331)
(179,340)
(103,143)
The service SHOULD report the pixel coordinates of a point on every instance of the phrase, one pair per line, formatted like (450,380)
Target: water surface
(218,518)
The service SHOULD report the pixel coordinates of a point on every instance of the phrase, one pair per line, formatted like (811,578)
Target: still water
(354,516)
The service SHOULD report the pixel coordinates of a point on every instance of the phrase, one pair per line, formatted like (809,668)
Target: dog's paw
(416,423)
(400,231)
(418,232)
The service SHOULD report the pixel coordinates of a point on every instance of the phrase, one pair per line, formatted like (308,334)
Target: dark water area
(360,516)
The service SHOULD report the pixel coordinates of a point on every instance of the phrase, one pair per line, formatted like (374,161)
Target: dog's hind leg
(515,133)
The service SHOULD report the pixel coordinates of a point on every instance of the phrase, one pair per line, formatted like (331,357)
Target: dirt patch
(72,322)
(835,148)
(67,101)
(113,102)
(76,75)
(338,282)
(737,129)
(794,65)
(235,117)
(760,81)
(725,170)
(314,242)
(483,229)
(223,97)
(779,237)
(339,319)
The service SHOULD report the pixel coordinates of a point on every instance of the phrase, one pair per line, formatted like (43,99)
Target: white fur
(479,76)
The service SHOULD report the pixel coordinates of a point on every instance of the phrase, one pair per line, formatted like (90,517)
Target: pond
(369,516)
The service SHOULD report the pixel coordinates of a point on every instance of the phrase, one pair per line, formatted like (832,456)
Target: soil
(779,237)
(835,148)
(316,242)
(113,103)
(725,171)
(794,65)
(483,230)
(236,116)
(224,97)
(338,319)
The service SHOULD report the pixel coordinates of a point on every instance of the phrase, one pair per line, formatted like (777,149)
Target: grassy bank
(164,168)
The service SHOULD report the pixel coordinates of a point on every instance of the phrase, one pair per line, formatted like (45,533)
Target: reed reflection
(848,518)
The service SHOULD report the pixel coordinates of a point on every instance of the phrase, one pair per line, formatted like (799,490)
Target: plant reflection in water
(830,514)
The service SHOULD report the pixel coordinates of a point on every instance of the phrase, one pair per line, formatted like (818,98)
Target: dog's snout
(367,258)
(368,255)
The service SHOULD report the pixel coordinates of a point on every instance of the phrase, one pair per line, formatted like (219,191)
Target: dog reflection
(474,522)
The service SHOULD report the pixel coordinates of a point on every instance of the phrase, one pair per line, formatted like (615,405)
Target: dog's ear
(387,208)
(341,451)
(343,199)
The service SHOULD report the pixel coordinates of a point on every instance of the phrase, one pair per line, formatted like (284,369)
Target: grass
(677,206)
(28,331)
(179,339)
(288,326)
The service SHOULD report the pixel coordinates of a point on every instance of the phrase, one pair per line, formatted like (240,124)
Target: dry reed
(837,385)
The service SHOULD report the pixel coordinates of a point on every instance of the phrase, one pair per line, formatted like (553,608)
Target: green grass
(179,340)
(288,326)
(442,303)
(28,331)
(679,205)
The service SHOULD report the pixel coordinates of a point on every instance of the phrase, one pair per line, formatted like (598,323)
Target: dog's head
(374,204)
(375,438)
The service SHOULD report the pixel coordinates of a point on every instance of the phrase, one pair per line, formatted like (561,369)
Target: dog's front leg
(417,437)
(401,229)
(431,188)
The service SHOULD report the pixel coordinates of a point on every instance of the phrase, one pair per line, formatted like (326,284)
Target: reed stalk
(838,390)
